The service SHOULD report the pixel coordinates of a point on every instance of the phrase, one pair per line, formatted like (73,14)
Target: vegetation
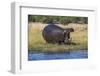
(61,19)
(36,43)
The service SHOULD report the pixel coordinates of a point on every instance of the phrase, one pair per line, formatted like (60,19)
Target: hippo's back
(52,33)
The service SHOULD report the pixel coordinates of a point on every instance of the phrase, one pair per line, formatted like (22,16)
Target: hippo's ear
(72,30)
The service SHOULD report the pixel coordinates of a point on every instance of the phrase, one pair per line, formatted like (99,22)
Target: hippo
(55,34)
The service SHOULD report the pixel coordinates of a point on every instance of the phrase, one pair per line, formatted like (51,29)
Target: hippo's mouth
(67,41)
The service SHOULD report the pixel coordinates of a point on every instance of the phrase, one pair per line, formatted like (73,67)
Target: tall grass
(36,43)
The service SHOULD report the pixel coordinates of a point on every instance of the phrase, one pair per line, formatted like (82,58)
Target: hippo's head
(67,38)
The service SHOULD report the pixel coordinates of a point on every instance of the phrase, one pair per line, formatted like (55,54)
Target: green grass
(36,43)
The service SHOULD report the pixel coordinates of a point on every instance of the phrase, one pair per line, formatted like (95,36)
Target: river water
(81,54)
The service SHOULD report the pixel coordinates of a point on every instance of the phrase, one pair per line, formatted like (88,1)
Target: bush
(61,19)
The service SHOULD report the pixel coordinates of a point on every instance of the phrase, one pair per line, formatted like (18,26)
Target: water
(51,56)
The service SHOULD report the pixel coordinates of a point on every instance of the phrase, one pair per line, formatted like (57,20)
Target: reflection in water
(51,56)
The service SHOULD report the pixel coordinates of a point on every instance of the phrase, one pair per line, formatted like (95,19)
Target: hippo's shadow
(71,43)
